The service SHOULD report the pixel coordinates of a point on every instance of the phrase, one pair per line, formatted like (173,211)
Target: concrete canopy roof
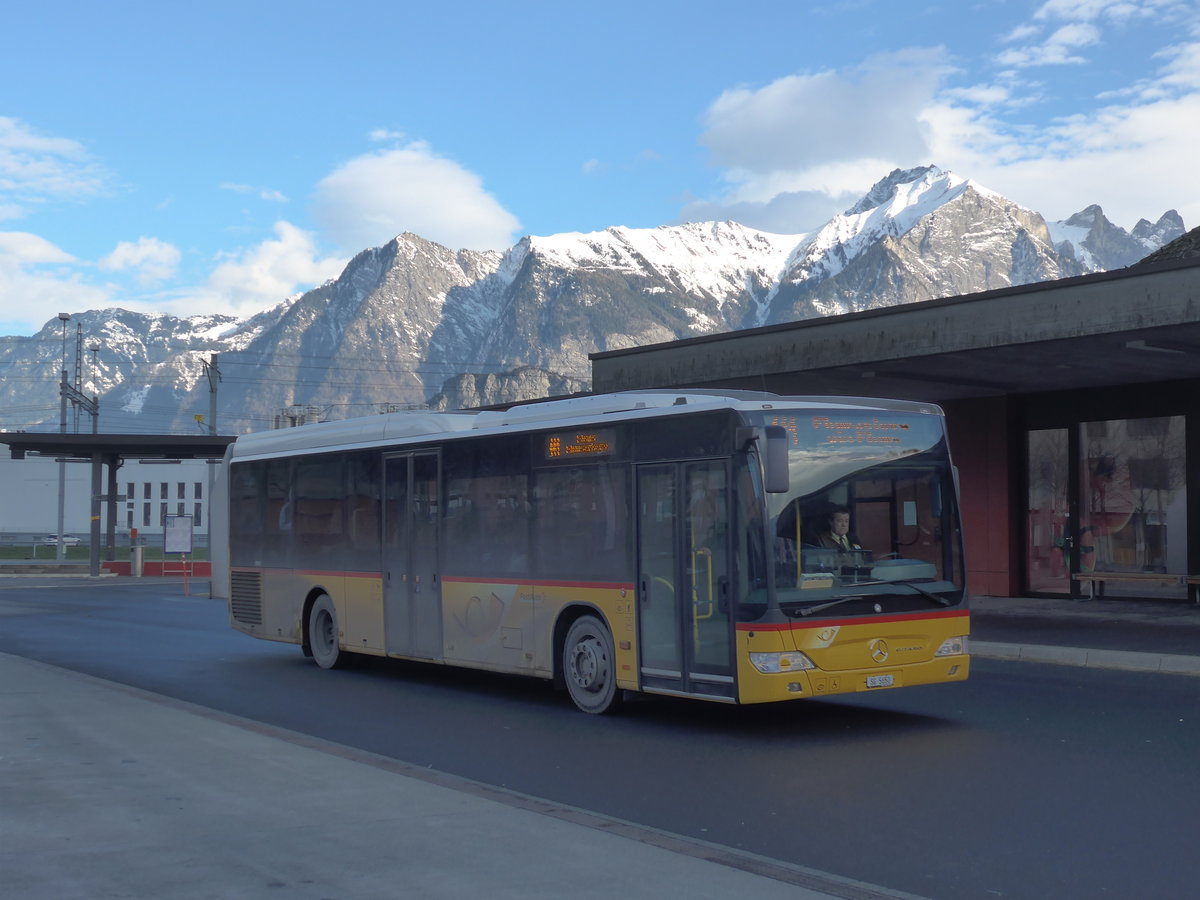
(1135,325)
(125,446)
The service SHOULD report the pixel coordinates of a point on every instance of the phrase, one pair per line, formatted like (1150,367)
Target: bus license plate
(874,681)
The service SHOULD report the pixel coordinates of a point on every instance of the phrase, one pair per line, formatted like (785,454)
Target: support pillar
(94,549)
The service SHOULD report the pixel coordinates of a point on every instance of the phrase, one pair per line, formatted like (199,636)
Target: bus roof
(405,425)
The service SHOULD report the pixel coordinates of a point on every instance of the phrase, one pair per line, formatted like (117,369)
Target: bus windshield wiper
(930,595)
(942,601)
(809,610)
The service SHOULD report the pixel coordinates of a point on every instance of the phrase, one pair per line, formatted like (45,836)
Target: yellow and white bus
(665,542)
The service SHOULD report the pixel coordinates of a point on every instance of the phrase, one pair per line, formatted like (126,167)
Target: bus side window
(362,511)
(318,501)
(277,526)
(247,494)
(487,507)
(582,522)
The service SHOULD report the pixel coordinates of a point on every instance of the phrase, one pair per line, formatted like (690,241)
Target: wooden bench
(1095,581)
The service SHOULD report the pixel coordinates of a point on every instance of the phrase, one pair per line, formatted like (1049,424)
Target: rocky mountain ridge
(413,323)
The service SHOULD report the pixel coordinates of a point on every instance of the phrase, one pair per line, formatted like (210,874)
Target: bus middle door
(411,586)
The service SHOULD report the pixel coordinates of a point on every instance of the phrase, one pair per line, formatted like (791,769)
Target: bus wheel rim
(588,664)
(324,632)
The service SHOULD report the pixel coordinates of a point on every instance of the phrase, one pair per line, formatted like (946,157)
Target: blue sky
(220,156)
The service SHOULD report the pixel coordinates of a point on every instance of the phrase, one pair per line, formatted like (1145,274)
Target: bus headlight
(773,663)
(955,646)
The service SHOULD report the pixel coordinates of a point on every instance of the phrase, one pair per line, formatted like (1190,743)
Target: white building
(148,491)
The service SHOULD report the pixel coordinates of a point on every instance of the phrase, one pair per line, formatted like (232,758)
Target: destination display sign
(849,430)
(581,444)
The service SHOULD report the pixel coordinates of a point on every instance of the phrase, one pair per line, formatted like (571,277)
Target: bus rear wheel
(589,666)
(323,634)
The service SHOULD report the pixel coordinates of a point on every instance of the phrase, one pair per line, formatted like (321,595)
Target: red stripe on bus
(315,573)
(605,585)
(871,620)
(322,574)
(458,579)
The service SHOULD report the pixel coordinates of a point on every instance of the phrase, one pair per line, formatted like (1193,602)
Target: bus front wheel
(589,666)
(323,634)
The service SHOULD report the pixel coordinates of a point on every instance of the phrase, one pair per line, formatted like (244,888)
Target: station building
(1073,409)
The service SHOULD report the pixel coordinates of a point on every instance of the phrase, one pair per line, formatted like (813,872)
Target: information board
(177,534)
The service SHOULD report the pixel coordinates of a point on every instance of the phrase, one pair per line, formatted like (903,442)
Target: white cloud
(981,95)
(803,147)
(1135,161)
(1058,49)
(788,212)
(386,135)
(1182,71)
(1021,32)
(38,280)
(369,200)
(19,249)
(152,260)
(261,276)
(788,124)
(1091,10)
(263,193)
(1082,28)
(35,169)
(1132,155)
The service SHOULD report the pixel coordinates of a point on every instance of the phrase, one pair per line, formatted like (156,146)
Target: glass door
(411,588)
(685,626)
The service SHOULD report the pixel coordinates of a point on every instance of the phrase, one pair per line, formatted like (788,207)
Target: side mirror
(773,442)
(775,460)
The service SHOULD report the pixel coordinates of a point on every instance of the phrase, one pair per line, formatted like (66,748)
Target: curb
(1125,660)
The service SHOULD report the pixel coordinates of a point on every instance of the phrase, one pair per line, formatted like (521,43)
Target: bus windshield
(869,523)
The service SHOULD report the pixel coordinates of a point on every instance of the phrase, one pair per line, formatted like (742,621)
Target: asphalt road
(1028,781)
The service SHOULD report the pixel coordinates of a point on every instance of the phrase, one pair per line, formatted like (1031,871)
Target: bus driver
(837,535)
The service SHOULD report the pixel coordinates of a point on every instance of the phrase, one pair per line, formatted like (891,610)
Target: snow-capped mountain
(415,323)
(924,233)
(1099,245)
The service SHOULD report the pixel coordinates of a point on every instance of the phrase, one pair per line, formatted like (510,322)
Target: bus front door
(684,620)
(412,607)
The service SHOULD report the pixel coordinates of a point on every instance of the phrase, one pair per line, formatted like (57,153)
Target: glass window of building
(1133,498)
(1047,512)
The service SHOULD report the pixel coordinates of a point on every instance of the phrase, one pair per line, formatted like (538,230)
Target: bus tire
(323,634)
(589,666)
